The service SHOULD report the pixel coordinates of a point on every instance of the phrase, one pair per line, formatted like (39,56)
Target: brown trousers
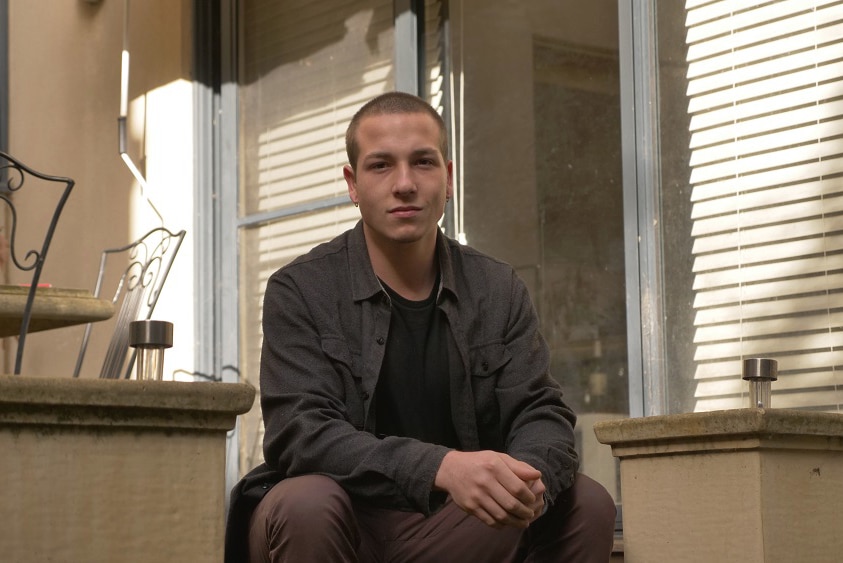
(310,519)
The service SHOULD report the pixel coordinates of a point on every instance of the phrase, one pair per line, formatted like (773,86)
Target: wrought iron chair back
(13,177)
(148,263)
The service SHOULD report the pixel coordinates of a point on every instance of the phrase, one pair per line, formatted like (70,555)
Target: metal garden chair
(142,267)
(29,256)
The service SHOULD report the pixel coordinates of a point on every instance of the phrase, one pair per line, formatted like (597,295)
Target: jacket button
(365,395)
(380,340)
(485,366)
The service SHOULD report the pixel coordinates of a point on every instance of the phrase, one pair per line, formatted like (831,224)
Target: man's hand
(494,487)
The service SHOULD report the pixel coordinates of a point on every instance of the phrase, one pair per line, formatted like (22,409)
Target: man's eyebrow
(425,151)
(377,155)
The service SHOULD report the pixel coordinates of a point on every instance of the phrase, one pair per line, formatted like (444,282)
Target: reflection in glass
(539,119)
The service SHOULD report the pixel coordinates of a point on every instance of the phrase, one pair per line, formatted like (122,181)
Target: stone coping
(720,425)
(122,403)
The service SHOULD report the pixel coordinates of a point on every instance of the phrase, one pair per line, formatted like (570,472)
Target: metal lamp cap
(151,334)
(764,369)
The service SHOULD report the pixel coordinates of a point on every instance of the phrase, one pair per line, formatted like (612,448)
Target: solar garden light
(760,373)
(150,338)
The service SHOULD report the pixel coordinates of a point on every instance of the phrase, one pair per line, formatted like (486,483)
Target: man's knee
(301,518)
(593,502)
(308,500)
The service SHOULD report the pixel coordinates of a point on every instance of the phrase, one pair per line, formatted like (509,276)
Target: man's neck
(408,269)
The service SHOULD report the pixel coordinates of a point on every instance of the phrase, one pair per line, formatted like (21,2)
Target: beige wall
(64,77)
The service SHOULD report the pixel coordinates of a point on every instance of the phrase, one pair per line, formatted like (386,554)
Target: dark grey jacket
(325,324)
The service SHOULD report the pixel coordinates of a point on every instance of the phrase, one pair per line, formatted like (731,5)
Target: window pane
(539,114)
(306,68)
(752,198)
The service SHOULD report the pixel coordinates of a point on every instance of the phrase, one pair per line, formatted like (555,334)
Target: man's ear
(449,187)
(351,182)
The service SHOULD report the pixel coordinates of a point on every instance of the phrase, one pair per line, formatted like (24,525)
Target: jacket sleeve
(540,425)
(312,408)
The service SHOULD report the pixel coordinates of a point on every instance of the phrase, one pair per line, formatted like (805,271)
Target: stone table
(52,308)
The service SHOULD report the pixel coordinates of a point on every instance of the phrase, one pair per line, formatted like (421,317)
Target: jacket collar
(364,282)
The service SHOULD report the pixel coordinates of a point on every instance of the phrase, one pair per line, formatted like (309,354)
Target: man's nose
(404,181)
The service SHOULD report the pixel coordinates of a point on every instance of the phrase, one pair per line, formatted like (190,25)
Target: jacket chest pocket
(347,367)
(488,359)
(486,363)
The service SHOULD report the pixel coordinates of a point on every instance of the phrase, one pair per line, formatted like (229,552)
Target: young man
(408,408)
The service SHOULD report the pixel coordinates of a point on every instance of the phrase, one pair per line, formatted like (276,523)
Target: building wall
(64,101)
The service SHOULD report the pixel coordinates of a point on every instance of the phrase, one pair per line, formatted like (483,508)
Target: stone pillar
(744,485)
(100,470)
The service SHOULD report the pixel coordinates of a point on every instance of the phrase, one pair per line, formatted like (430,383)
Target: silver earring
(356,204)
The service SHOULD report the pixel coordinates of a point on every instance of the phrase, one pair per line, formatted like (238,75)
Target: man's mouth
(404,211)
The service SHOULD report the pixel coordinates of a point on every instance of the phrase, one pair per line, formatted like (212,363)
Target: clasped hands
(496,488)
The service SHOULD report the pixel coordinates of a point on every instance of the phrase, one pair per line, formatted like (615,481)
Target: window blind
(765,81)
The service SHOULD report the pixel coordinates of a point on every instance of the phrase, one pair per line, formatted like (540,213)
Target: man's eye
(426,162)
(377,165)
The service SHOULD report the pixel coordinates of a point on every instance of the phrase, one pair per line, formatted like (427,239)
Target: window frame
(215,193)
(641,182)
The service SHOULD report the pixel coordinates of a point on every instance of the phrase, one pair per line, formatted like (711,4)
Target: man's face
(402,180)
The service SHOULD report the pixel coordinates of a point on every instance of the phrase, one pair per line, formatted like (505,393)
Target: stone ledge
(720,425)
(121,402)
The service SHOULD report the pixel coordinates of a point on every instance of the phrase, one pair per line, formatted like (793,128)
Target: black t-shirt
(413,396)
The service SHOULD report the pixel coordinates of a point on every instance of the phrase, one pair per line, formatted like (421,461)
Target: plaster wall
(64,101)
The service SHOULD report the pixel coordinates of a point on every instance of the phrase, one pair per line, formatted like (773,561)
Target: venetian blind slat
(804,199)
(726,232)
(800,173)
(812,362)
(762,89)
(823,399)
(798,135)
(704,18)
(767,290)
(716,316)
(746,109)
(717,387)
(749,274)
(772,160)
(755,41)
(761,347)
(791,321)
